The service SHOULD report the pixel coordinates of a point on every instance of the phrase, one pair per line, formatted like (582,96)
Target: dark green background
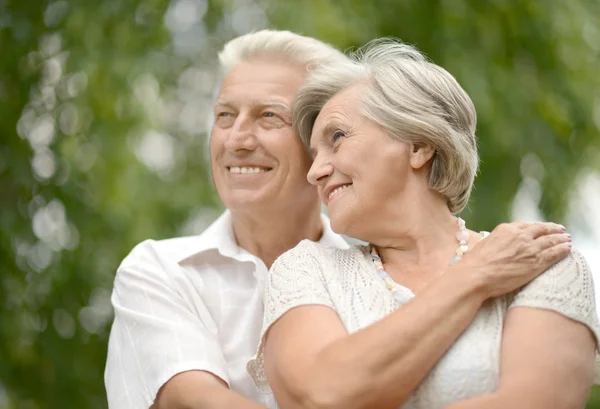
(104,108)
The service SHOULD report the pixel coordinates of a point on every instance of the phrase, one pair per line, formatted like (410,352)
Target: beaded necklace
(403,294)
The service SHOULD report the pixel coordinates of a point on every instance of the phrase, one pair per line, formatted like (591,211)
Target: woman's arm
(548,343)
(547,363)
(311,361)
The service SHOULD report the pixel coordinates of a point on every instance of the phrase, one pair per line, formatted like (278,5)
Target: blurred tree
(104,109)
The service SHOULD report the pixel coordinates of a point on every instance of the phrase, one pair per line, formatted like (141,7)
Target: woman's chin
(340,224)
(336,226)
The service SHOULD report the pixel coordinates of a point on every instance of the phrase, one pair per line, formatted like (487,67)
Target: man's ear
(420,154)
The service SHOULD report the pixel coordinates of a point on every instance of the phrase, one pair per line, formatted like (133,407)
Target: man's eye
(225,117)
(269,114)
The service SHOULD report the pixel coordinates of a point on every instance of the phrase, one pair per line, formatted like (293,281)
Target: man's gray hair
(413,99)
(282,45)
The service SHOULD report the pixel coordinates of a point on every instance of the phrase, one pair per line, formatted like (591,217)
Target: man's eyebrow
(259,104)
(271,104)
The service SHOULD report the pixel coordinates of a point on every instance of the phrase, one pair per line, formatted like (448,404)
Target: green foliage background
(104,107)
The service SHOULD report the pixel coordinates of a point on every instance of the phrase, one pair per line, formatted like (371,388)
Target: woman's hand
(514,254)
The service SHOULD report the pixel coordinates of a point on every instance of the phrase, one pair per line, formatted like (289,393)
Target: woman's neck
(421,235)
(420,243)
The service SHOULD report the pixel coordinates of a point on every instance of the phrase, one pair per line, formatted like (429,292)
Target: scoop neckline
(409,293)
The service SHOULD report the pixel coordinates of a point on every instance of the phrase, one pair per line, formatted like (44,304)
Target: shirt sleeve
(157,332)
(568,289)
(296,278)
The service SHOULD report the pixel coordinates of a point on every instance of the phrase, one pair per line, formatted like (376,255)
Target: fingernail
(563,228)
(569,237)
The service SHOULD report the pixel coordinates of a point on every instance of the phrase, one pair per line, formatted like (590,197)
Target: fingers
(521,225)
(554,254)
(550,240)
(530,230)
(535,230)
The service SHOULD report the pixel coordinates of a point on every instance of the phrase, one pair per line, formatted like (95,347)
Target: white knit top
(346,280)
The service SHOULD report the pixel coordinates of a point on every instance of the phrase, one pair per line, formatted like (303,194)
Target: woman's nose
(320,170)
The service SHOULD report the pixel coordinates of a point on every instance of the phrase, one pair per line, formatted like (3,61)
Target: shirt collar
(219,236)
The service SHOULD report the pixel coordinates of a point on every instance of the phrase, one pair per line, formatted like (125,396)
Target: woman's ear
(420,154)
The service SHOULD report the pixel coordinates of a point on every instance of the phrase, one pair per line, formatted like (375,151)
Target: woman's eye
(337,135)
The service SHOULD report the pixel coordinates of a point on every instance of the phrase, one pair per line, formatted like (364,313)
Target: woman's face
(361,172)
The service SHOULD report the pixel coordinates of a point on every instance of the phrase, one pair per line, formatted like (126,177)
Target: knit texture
(346,281)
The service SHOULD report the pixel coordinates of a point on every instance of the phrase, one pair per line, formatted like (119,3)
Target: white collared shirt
(190,303)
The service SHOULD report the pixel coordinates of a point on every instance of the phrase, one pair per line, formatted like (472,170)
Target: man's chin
(268,199)
(249,201)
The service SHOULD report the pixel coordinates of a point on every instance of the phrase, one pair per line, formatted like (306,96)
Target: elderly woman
(395,155)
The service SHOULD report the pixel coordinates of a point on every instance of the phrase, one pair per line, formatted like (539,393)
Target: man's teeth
(337,190)
(235,169)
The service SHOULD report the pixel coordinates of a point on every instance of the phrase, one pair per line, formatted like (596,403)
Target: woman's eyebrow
(330,128)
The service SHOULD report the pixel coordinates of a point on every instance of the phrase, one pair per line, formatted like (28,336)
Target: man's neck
(270,233)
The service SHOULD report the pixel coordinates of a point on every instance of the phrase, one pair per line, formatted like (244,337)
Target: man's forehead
(272,75)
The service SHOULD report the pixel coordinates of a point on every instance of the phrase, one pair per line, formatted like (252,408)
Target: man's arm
(159,332)
(200,390)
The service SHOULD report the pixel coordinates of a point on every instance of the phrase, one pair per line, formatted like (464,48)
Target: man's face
(257,159)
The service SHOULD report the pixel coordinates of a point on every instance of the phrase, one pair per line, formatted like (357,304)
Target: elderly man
(188,311)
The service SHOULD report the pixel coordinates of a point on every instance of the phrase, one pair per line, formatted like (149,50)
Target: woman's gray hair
(413,99)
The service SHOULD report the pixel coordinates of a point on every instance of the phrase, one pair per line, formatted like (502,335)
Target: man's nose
(243,135)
